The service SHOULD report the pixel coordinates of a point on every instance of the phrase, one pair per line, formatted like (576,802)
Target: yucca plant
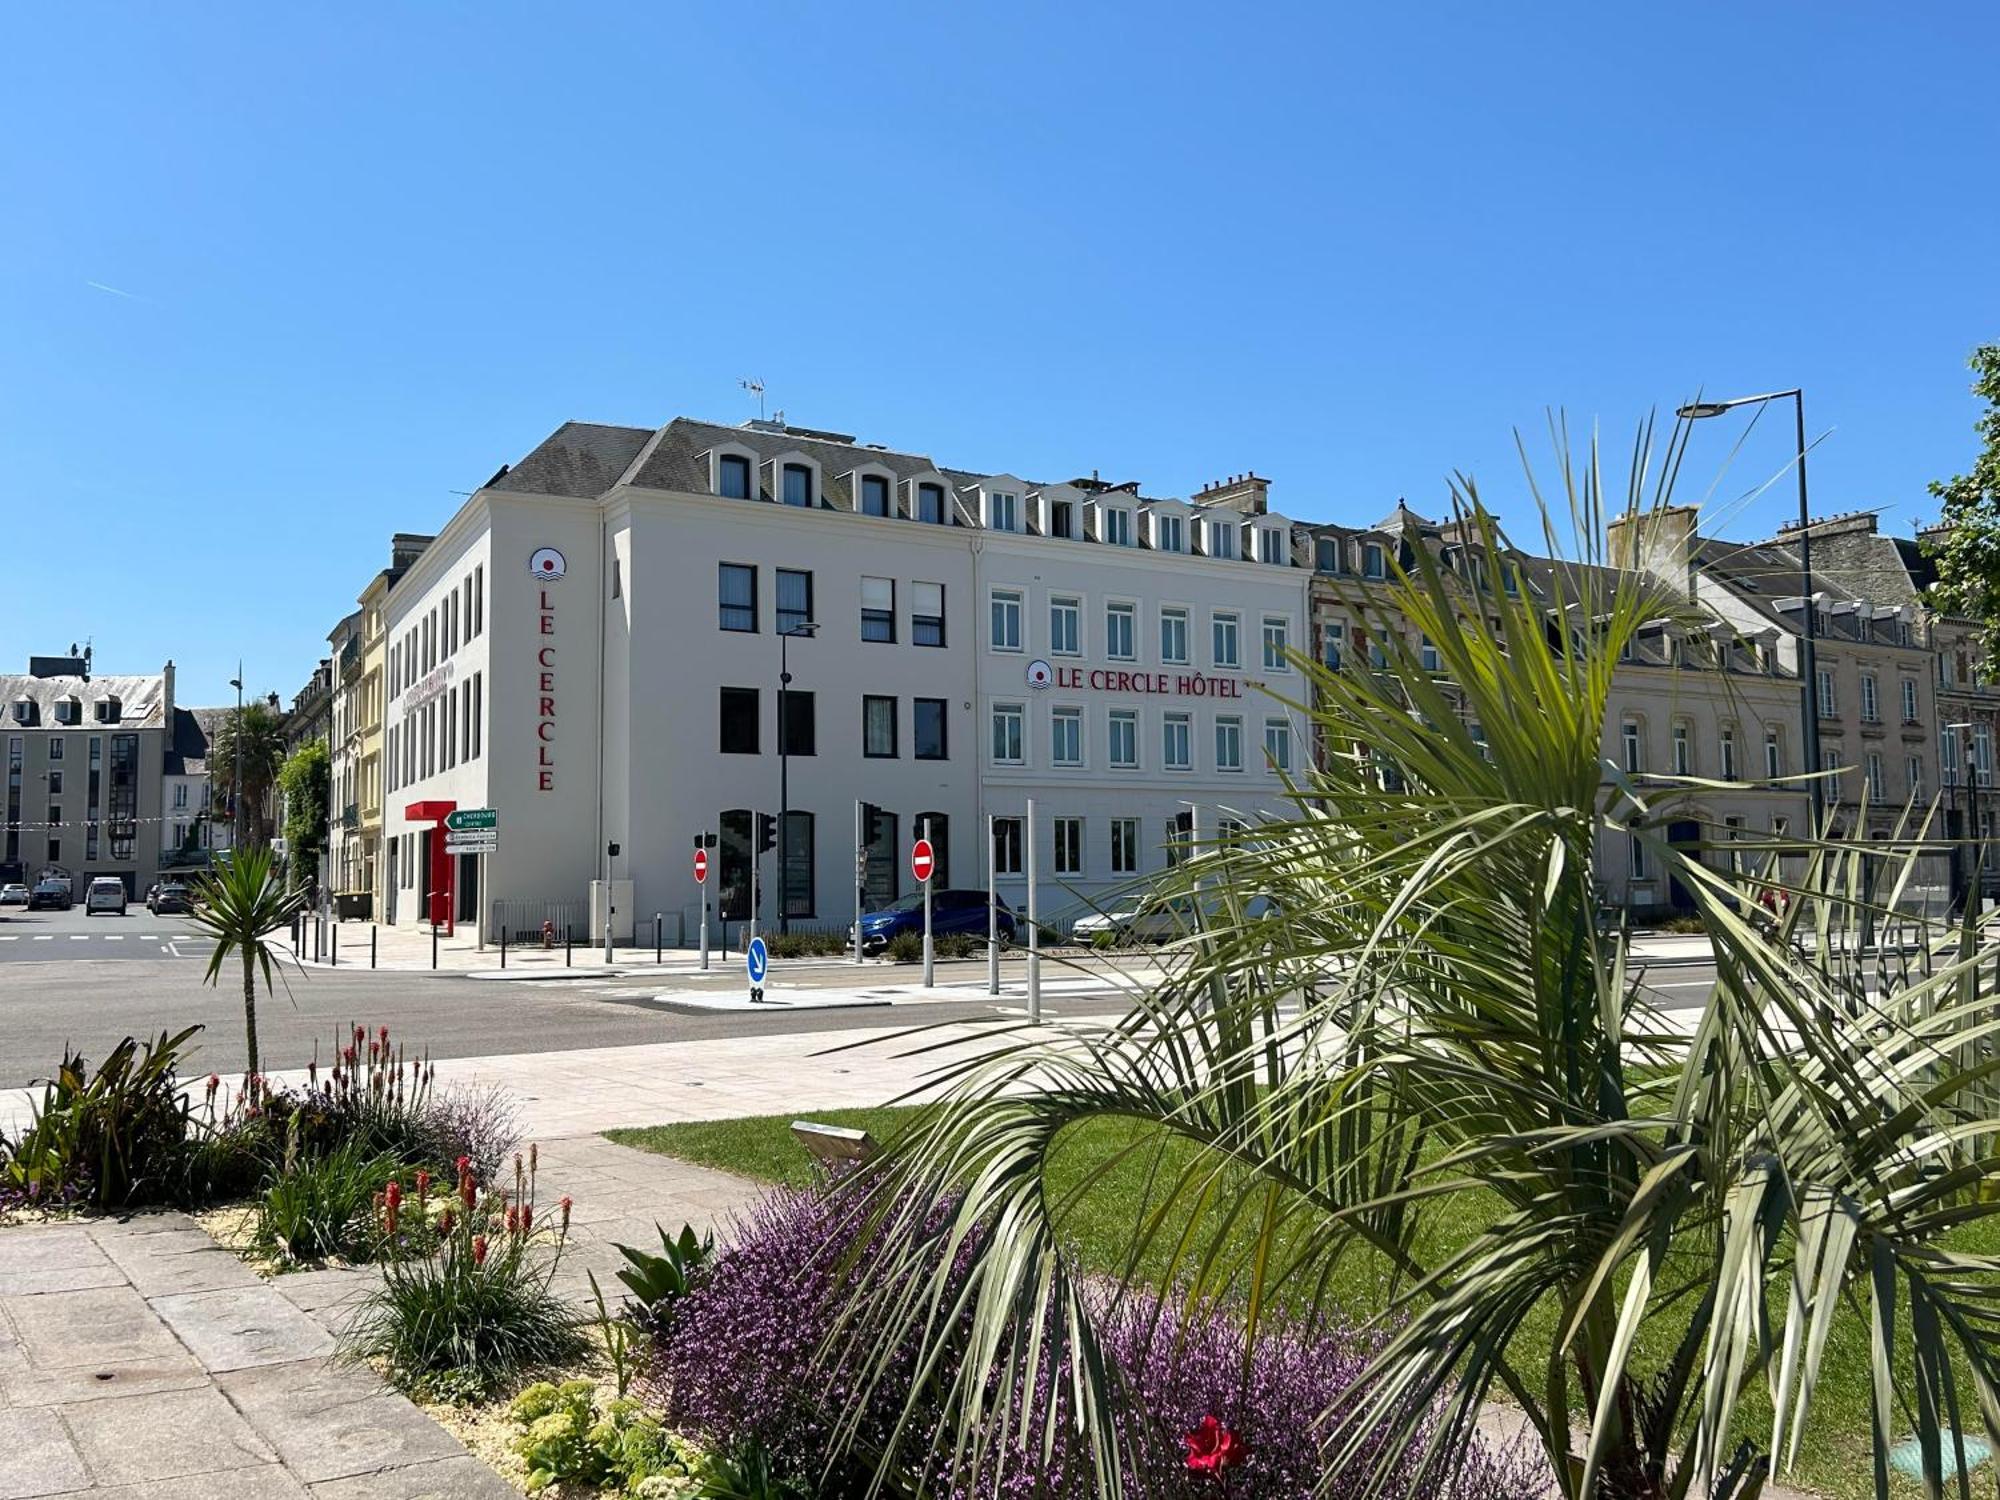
(240,905)
(1437,1016)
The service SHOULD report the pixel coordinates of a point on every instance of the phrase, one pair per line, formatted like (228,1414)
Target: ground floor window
(1180,836)
(879,877)
(936,827)
(1069,846)
(732,891)
(1006,846)
(1124,846)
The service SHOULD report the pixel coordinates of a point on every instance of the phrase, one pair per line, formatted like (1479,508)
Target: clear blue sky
(276,280)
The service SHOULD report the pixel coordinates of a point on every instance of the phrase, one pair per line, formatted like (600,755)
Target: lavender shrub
(738,1363)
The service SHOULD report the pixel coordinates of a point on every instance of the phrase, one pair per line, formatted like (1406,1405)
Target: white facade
(592,648)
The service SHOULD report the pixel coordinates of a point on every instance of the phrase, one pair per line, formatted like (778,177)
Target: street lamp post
(1808,655)
(236,775)
(805,630)
(1974,845)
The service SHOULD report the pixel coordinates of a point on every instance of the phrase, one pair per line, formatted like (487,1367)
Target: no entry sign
(701,867)
(923,859)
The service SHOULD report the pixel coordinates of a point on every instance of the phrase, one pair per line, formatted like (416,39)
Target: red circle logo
(922,859)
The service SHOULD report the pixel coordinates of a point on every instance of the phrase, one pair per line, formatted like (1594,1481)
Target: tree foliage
(239,905)
(263,733)
(1967,550)
(306,779)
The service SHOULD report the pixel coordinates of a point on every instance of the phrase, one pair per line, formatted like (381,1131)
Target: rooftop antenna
(756,388)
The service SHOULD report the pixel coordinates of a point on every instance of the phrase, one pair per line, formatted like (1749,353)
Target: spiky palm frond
(239,905)
(1439,1008)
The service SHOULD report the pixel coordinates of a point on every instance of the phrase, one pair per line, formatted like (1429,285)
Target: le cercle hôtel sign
(1112,680)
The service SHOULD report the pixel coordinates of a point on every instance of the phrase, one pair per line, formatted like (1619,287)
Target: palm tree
(239,905)
(262,728)
(1440,1019)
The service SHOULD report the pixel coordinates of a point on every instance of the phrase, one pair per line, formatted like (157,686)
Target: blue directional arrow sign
(756,961)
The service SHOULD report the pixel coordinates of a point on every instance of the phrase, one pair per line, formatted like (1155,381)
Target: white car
(1133,924)
(14,894)
(105,894)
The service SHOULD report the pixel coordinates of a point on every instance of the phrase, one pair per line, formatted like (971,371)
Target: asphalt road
(71,936)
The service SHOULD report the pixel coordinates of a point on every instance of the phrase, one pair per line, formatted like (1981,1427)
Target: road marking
(45,937)
(79,937)
(114,937)
(12,937)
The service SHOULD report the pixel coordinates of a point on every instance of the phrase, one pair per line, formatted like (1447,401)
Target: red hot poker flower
(564,1205)
(392,1200)
(1211,1448)
(479,1249)
(445,1221)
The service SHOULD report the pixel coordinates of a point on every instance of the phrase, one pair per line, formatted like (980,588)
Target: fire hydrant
(548,934)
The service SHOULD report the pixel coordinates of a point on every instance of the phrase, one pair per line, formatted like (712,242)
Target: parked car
(169,899)
(14,894)
(106,893)
(951,911)
(50,895)
(1135,923)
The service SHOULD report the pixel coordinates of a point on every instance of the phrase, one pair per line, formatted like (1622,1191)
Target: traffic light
(767,833)
(871,823)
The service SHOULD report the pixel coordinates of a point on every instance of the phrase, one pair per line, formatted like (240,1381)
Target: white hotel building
(592,646)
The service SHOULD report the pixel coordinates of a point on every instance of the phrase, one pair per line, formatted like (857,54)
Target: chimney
(1246,493)
(167,696)
(1659,543)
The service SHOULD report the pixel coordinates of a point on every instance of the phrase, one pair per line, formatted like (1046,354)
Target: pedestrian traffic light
(871,823)
(767,833)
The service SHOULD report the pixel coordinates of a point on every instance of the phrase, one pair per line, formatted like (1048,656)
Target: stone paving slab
(37,1456)
(331,1421)
(105,1326)
(237,1329)
(164,1435)
(462,1478)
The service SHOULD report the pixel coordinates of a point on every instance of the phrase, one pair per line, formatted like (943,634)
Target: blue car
(951,911)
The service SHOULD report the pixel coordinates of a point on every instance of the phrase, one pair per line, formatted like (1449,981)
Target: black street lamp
(1808,656)
(1974,844)
(805,630)
(236,775)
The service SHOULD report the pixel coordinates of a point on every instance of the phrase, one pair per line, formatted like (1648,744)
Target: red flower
(479,1249)
(347,1056)
(464,1165)
(1212,1448)
(445,1221)
(423,1183)
(214,1083)
(527,1217)
(513,1220)
(392,1200)
(564,1206)
(383,1033)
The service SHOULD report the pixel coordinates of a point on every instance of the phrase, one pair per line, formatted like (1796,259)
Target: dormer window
(732,477)
(1062,519)
(1270,545)
(1374,564)
(108,710)
(24,710)
(930,503)
(1169,535)
(797,486)
(1326,555)
(1003,511)
(1115,529)
(69,711)
(874,495)
(1222,539)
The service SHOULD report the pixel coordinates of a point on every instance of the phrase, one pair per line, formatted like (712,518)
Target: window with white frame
(1222,539)
(1726,744)
(1169,534)
(1633,747)
(1909,700)
(1009,727)
(1683,752)
(1913,768)
(732,476)
(1007,846)
(1270,544)
(1278,743)
(1003,511)
(1427,656)
(1114,527)
(1949,758)
(1176,742)
(1174,636)
(1069,846)
(1374,562)
(1823,692)
(1877,789)
(1066,737)
(1774,754)
(1333,643)
(1277,632)
(1229,744)
(1871,707)
(1124,846)
(1006,627)
(1637,846)
(1224,630)
(1982,752)
(1120,632)
(1065,626)
(1124,739)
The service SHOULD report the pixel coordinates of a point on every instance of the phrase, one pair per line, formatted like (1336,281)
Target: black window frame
(872,487)
(722,606)
(738,743)
(798,728)
(918,707)
(725,466)
(797,888)
(868,701)
(881,620)
(927,630)
(785,473)
(791,619)
(927,492)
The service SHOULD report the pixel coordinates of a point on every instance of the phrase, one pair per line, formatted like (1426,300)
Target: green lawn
(1835,1458)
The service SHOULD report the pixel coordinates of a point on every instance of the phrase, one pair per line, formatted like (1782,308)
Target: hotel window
(1124,742)
(1176,742)
(1909,700)
(1120,634)
(1174,636)
(1683,754)
(1169,535)
(1062,519)
(1373,563)
(928,729)
(1229,744)
(874,495)
(796,722)
(927,614)
(1008,747)
(1006,846)
(1222,539)
(1278,743)
(1066,737)
(740,734)
(1124,846)
(1628,734)
(878,609)
(1223,632)
(1727,745)
(733,476)
(1065,627)
(737,596)
(930,503)
(1006,627)
(1069,846)
(1003,511)
(1823,690)
(798,486)
(795,599)
(878,727)
(1871,707)
(1115,528)
(1276,632)
(1270,545)
(1876,788)
(1427,656)
(1326,554)
(795,864)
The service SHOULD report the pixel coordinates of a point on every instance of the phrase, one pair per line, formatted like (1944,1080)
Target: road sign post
(701,881)
(992,916)
(1034,925)
(472,820)
(860,877)
(923,861)
(756,964)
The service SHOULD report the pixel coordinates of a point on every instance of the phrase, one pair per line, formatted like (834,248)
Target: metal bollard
(373,931)
(319,940)
(503,945)
(434,943)
(658,920)
(566,945)
(334,954)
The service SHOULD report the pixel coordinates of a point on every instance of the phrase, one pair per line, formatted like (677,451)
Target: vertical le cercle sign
(547,566)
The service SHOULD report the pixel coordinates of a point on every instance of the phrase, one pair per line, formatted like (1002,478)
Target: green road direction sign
(471,819)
